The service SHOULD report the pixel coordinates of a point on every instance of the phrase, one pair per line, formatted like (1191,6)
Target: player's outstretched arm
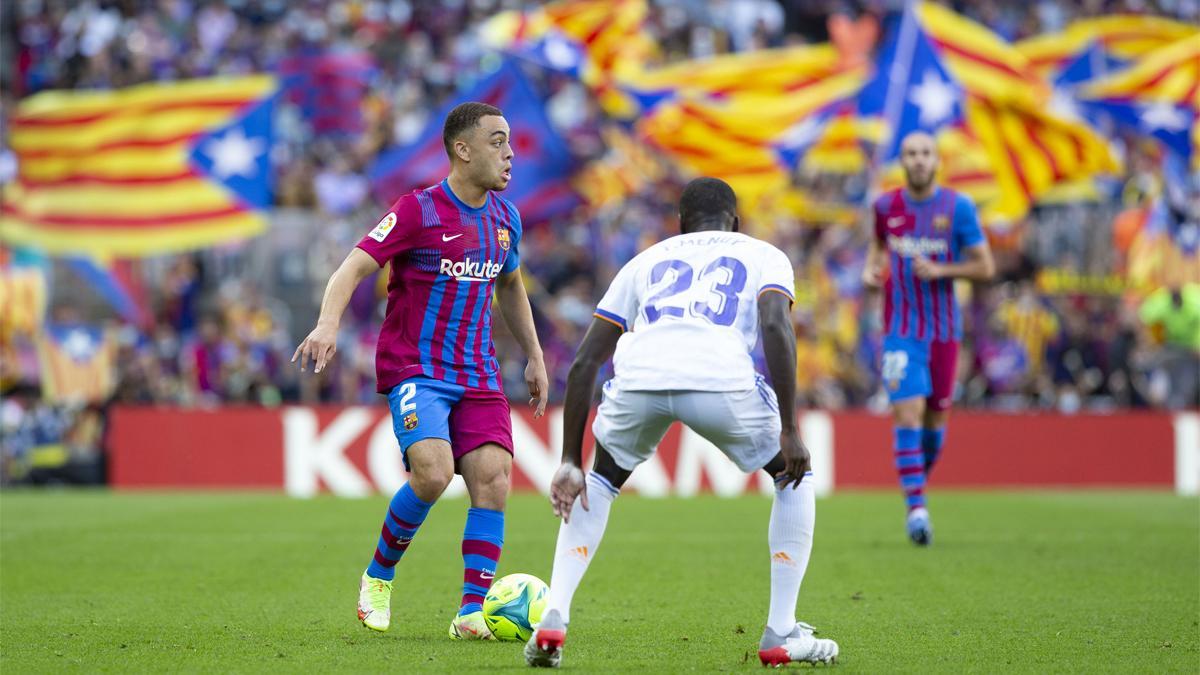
(978,266)
(321,343)
(598,346)
(779,347)
(514,307)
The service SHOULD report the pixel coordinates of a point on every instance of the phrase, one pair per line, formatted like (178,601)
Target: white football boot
(799,646)
(544,649)
(920,529)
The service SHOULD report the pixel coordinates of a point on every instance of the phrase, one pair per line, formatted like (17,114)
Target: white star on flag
(1163,115)
(935,97)
(803,133)
(558,52)
(78,345)
(1062,103)
(234,154)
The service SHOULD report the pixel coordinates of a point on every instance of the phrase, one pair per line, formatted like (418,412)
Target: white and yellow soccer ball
(514,605)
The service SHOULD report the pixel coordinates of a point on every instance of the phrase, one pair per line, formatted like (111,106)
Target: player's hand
(872,275)
(539,386)
(796,460)
(320,345)
(926,269)
(567,485)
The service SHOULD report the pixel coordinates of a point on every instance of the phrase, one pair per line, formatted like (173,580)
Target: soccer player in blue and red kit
(451,246)
(926,236)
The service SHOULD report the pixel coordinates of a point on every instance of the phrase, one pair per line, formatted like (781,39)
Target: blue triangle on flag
(554,51)
(791,147)
(1169,123)
(1093,62)
(542,163)
(237,154)
(926,96)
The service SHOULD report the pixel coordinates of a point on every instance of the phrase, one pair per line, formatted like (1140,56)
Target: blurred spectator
(1028,319)
(1173,315)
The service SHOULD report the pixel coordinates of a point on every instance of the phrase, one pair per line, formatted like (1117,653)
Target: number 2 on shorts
(408,391)
(895,365)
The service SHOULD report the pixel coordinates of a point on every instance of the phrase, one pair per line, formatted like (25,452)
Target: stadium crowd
(216,331)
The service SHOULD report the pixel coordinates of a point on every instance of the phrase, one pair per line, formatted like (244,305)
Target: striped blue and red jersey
(445,258)
(939,228)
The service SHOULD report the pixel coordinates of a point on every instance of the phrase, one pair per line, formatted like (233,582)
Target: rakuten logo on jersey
(911,247)
(471,270)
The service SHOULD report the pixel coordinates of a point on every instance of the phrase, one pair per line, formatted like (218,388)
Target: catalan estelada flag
(598,40)
(542,163)
(741,139)
(1031,152)
(140,171)
(767,72)
(78,363)
(1127,37)
(1159,95)
(982,62)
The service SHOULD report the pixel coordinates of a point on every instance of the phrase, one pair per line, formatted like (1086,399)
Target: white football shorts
(743,424)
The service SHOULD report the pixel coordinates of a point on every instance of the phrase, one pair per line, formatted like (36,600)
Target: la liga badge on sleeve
(381,230)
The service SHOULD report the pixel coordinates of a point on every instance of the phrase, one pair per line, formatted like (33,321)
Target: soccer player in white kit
(680,321)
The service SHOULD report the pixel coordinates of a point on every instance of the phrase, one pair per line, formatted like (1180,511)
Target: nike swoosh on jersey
(450,237)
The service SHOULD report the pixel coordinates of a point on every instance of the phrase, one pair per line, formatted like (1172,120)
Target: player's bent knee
(909,413)
(430,483)
(607,467)
(431,467)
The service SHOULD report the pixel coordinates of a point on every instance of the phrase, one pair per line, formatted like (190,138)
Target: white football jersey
(689,309)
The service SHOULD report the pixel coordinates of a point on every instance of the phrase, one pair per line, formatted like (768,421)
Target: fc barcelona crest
(410,421)
(502,237)
(941,222)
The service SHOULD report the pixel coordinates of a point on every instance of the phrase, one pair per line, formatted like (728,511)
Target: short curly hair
(705,198)
(464,116)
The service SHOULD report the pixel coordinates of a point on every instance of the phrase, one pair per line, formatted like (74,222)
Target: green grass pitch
(1015,582)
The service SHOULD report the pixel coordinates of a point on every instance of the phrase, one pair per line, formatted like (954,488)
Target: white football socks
(577,543)
(790,537)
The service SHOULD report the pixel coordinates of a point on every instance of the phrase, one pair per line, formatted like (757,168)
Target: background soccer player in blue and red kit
(926,236)
(451,246)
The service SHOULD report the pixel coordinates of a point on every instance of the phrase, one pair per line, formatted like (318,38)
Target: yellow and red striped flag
(1170,74)
(140,171)
(78,363)
(599,40)
(1032,151)
(982,62)
(23,297)
(1123,36)
(734,139)
(768,72)
(1159,95)
(625,169)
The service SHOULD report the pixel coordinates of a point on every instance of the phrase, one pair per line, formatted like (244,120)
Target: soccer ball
(514,605)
